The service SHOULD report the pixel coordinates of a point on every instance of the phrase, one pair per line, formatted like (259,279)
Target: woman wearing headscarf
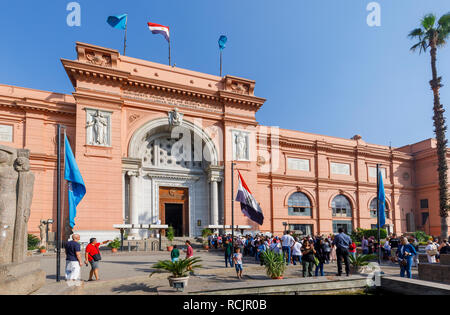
(405,253)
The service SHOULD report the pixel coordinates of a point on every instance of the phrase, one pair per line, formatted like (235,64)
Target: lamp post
(285,224)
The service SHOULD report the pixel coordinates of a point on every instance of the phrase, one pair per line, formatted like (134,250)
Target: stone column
(214,195)
(215,175)
(134,217)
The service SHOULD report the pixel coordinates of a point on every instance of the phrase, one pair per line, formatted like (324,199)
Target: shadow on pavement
(127,288)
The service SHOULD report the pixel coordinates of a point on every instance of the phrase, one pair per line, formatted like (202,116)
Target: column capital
(136,173)
(215,173)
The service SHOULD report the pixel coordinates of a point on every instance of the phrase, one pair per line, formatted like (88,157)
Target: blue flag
(118,21)
(222,41)
(381,200)
(72,174)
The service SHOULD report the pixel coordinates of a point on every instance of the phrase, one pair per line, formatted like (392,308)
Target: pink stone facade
(295,176)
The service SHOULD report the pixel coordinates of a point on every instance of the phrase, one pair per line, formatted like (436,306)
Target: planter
(42,251)
(169,248)
(182,280)
(114,250)
(277,278)
(206,247)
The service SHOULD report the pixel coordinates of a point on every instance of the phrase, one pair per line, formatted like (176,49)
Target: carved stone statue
(17,275)
(16,193)
(175,118)
(98,129)
(43,233)
(241,146)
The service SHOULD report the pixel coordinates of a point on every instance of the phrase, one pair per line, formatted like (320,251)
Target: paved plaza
(128,273)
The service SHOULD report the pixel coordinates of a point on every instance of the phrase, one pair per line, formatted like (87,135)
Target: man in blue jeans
(287,241)
(405,252)
(342,241)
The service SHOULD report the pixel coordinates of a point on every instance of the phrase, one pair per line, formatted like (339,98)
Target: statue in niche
(175,118)
(99,129)
(241,146)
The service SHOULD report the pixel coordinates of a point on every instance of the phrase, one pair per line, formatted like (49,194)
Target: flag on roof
(159,29)
(118,21)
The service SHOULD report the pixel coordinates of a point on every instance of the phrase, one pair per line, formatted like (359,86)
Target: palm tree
(435,35)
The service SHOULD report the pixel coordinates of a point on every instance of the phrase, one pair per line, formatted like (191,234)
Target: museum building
(155,143)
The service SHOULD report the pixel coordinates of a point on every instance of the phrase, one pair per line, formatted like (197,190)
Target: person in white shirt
(297,252)
(431,251)
(287,241)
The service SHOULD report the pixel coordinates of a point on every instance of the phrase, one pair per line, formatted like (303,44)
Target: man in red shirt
(93,257)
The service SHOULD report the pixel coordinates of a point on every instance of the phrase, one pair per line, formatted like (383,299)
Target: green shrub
(33,242)
(361,260)
(115,244)
(421,236)
(274,263)
(358,234)
(179,268)
(170,234)
(206,232)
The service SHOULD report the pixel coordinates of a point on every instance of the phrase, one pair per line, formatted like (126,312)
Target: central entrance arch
(174,175)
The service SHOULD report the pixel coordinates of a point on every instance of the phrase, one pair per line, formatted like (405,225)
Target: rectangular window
(373,172)
(373,226)
(346,225)
(340,168)
(6,133)
(303,229)
(424,204)
(341,212)
(302,211)
(298,164)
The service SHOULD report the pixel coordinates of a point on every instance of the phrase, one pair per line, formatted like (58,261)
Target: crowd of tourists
(313,252)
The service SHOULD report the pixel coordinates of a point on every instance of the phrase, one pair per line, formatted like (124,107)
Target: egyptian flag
(249,206)
(159,29)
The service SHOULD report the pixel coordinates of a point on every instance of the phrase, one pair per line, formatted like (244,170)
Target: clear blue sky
(320,66)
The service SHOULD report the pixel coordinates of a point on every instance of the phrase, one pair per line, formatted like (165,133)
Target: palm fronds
(274,263)
(361,260)
(178,268)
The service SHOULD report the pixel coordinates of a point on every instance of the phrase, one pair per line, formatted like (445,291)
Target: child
(237,259)
(175,254)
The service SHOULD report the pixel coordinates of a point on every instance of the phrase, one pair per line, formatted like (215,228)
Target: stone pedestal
(21,278)
(438,272)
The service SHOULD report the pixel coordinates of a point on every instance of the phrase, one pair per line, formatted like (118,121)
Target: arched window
(341,206)
(373,208)
(299,204)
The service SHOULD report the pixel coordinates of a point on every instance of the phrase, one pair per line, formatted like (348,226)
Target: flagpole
(378,213)
(125,40)
(169,53)
(58,206)
(221,62)
(232,204)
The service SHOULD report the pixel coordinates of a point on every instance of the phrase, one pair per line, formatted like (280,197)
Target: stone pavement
(128,273)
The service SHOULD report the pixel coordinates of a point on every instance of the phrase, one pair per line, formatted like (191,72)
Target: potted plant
(42,249)
(179,270)
(205,234)
(359,262)
(170,234)
(114,245)
(274,263)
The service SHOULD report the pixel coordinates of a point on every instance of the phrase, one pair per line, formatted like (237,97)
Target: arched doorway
(172,176)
